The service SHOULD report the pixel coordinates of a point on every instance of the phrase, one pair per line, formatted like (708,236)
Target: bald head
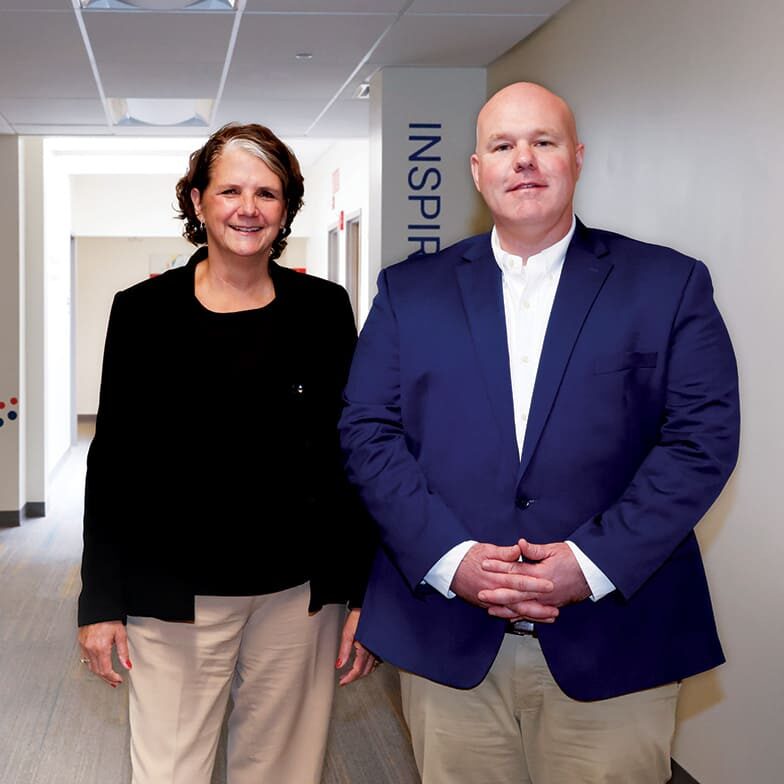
(526,166)
(521,94)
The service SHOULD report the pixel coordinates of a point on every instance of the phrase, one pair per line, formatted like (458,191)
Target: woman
(212,562)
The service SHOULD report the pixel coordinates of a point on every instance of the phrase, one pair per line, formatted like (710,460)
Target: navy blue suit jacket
(632,433)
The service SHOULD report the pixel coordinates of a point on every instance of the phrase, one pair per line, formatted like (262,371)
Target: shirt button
(526,305)
(524,359)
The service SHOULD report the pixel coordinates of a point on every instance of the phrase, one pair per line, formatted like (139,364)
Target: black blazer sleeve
(344,534)
(102,597)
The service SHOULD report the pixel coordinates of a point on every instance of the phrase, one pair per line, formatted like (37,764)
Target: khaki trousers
(275,660)
(518,727)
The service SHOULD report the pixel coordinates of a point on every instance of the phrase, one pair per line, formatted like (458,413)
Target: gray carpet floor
(60,725)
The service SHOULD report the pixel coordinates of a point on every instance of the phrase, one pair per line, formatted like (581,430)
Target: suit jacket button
(522,502)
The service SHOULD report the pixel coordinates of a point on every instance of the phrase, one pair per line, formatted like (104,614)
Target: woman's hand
(96,641)
(364,661)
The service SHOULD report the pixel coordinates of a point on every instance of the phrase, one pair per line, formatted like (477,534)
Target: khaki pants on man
(518,727)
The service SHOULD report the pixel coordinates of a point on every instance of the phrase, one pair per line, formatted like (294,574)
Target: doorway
(353,239)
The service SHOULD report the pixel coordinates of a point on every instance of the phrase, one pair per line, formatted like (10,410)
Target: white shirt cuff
(443,570)
(597,580)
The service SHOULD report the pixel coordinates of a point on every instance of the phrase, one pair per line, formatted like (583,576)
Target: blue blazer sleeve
(697,448)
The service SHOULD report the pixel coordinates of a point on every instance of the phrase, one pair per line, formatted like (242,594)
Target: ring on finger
(84,661)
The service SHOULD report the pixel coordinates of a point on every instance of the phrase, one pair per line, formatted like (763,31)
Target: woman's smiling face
(243,206)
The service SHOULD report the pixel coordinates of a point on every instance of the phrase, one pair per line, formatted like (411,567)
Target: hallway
(60,725)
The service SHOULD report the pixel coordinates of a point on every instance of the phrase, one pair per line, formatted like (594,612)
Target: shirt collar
(547,261)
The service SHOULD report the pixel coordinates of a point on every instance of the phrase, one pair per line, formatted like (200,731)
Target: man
(537,419)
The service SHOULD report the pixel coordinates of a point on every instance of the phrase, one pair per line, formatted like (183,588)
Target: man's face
(527,161)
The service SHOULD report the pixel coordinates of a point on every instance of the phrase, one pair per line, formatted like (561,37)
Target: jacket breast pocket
(626,360)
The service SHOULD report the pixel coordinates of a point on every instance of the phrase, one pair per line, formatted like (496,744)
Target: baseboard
(35,509)
(10,519)
(680,776)
(13,519)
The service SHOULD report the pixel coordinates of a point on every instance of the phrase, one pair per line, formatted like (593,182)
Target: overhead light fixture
(159,5)
(303,56)
(363,91)
(160,112)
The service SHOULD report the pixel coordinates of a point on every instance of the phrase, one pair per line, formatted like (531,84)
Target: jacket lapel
(479,279)
(585,270)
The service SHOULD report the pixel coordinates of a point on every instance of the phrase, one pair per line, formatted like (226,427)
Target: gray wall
(681,108)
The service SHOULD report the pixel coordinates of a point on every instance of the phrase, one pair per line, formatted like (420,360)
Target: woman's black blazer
(146,540)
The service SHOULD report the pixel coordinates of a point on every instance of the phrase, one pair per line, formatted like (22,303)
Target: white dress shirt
(529,288)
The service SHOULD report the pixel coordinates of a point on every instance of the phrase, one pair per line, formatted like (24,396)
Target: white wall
(681,107)
(296,252)
(126,205)
(350,157)
(122,187)
(104,266)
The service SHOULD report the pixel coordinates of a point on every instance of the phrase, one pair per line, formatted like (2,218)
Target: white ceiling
(60,64)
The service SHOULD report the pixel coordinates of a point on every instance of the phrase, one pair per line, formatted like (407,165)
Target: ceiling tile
(36,5)
(285,118)
(325,6)
(152,55)
(27,111)
(303,80)
(348,118)
(308,151)
(511,7)
(160,130)
(273,41)
(62,130)
(42,56)
(452,41)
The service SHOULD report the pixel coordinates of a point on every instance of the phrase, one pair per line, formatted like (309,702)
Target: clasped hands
(533,589)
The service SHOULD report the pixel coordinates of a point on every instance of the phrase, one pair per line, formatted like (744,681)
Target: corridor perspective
(102,102)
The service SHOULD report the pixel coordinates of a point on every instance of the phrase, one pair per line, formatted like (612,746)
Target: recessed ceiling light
(304,56)
(161,112)
(159,5)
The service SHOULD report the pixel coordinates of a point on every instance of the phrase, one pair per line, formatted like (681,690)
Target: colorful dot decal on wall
(8,415)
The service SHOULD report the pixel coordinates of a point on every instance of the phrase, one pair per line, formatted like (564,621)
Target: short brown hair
(256,140)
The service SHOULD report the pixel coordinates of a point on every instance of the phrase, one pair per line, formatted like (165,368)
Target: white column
(422,198)
(34,327)
(59,409)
